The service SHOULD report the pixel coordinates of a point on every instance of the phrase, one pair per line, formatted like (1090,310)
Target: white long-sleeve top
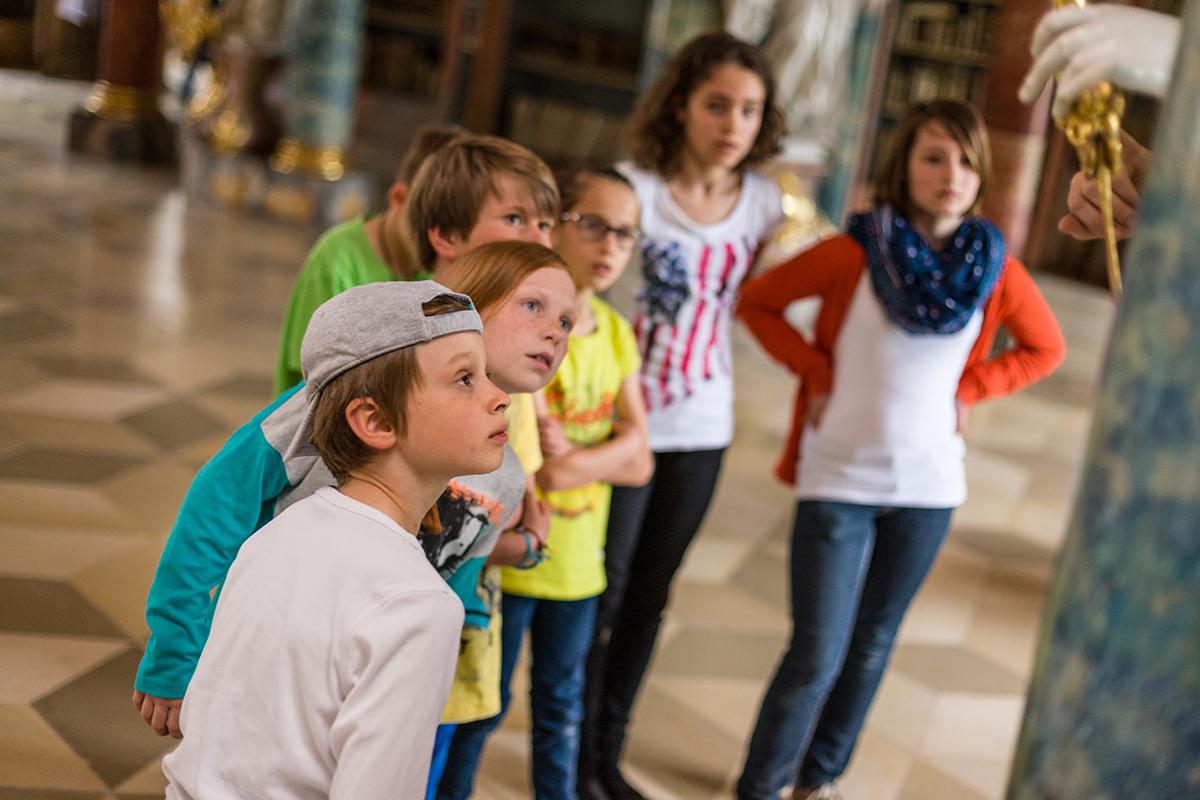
(330,659)
(888,436)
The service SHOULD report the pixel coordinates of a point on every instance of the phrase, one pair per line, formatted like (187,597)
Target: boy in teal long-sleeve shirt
(248,482)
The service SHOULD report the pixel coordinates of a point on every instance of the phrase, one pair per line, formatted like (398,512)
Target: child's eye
(750,112)
(467,379)
(567,324)
(532,305)
(593,227)
(545,226)
(515,220)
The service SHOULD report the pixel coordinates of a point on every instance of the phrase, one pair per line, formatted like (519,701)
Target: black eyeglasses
(593,229)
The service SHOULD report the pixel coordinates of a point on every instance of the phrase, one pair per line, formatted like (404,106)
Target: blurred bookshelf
(403,46)
(572,77)
(559,78)
(937,49)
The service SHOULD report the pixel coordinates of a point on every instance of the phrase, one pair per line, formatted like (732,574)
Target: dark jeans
(649,530)
(855,569)
(560,632)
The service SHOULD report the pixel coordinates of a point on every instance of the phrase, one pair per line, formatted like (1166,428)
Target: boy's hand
(160,713)
(554,440)
(536,518)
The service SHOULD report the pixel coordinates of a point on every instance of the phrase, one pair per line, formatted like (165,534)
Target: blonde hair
(965,126)
(451,186)
(491,272)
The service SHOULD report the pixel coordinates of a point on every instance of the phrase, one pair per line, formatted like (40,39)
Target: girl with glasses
(593,435)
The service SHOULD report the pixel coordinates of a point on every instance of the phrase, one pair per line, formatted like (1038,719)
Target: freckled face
(526,332)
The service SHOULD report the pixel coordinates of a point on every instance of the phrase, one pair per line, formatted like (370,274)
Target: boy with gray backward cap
(334,640)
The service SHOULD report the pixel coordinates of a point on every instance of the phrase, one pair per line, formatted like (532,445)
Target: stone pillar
(1017,131)
(1114,707)
(306,180)
(321,85)
(868,62)
(120,120)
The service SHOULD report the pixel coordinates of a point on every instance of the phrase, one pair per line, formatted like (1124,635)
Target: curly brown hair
(656,133)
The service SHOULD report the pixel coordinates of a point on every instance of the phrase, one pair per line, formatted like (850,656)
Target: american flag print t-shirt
(691,274)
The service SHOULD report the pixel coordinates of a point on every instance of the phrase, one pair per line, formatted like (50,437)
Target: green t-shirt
(582,396)
(343,257)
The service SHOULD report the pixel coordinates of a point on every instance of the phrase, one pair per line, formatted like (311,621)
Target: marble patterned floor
(137,329)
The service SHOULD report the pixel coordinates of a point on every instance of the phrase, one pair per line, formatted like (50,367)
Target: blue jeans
(855,569)
(560,633)
(441,749)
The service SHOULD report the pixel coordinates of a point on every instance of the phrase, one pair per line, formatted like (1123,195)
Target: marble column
(120,120)
(1017,131)
(1114,707)
(306,180)
(867,64)
(321,85)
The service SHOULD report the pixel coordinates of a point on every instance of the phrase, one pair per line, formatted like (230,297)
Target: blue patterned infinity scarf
(922,290)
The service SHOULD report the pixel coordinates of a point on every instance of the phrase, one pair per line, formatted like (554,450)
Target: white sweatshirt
(329,662)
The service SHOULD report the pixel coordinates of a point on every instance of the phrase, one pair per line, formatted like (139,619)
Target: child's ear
(367,420)
(397,195)
(444,243)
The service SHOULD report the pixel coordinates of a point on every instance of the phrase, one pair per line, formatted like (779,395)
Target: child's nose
(501,401)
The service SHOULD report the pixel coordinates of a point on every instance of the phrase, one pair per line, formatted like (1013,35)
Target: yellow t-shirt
(475,692)
(582,396)
(523,432)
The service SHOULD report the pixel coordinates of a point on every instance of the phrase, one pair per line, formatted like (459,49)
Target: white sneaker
(827,792)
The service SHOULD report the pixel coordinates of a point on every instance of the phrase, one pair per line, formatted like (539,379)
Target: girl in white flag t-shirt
(696,133)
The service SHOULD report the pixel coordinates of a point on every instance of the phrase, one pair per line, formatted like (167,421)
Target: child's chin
(533,383)
(485,463)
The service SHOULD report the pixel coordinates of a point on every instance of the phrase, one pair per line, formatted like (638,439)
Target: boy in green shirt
(355,252)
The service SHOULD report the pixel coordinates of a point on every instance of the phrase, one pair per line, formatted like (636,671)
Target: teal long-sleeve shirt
(242,488)
(216,517)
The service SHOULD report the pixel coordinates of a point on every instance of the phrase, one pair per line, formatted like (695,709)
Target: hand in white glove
(1131,47)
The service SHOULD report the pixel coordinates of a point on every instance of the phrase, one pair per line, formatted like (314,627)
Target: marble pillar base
(148,141)
(245,181)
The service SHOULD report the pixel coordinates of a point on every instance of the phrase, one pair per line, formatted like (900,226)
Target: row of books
(563,132)
(911,83)
(609,50)
(944,27)
(399,64)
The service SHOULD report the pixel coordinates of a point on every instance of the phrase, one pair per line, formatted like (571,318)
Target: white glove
(1131,47)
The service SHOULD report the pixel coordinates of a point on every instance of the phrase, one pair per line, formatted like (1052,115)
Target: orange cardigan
(831,270)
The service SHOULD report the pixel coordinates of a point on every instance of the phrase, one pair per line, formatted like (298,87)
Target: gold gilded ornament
(188,24)
(1093,127)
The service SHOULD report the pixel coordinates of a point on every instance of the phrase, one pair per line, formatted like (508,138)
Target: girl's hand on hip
(815,410)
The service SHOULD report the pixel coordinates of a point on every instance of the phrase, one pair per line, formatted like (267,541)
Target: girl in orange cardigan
(913,294)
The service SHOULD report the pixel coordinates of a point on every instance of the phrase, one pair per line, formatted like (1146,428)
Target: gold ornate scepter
(1093,127)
